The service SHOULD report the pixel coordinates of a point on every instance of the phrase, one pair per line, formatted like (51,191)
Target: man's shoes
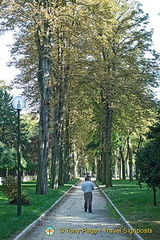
(90,211)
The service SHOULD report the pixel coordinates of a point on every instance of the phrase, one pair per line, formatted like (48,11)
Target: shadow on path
(69,221)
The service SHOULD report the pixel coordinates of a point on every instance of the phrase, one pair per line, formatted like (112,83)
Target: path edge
(136,235)
(34,223)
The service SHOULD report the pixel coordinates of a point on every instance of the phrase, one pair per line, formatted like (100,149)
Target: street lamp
(19,103)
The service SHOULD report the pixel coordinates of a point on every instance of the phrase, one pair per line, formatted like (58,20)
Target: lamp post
(19,103)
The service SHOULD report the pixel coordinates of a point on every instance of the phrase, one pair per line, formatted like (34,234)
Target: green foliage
(97,53)
(8,120)
(148,163)
(10,190)
(39,204)
(148,160)
(8,157)
(29,140)
(8,133)
(154,130)
(135,204)
(31,166)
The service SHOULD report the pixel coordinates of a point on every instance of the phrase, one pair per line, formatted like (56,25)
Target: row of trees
(8,137)
(84,70)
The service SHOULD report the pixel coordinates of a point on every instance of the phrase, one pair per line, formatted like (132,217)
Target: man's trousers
(88,202)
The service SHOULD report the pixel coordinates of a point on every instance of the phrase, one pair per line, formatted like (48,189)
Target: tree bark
(123,169)
(99,169)
(138,149)
(103,155)
(57,166)
(108,126)
(66,148)
(130,160)
(56,149)
(44,72)
(42,186)
(58,131)
(154,196)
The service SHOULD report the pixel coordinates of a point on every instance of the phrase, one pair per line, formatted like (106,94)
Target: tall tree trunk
(75,162)
(103,155)
(103,150)
(44,72)
(58,137)
(57,167)
(116,172)
(138,149)
(99,169)
(154,196)
(108,127)
(130,160)
(42,185)
(108,112)
(123,168)
(66,148)
(61,165)
(56,149)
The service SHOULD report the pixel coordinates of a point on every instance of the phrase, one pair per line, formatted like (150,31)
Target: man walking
(87,188)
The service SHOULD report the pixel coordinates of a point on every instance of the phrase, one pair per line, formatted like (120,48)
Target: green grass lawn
(136,205)
(10,224)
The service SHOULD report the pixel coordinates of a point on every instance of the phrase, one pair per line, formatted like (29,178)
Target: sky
(152,7)
(8,73)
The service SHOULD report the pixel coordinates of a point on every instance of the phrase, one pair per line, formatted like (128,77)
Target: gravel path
(71,222)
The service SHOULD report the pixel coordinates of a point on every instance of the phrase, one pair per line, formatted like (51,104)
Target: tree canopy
(84,70)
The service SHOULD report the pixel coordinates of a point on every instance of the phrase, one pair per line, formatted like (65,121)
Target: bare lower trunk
(108,126)
(103,155)
(44,73)
(130,160)
(123,169)
(58,129)
(66,149)
(154,196)
(56,150)
(42,185)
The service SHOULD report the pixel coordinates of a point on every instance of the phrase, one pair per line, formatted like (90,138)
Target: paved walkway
(71,222)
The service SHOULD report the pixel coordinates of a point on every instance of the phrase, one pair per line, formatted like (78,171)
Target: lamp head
(18,103)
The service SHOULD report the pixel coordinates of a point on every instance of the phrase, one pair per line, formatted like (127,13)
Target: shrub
(10,190)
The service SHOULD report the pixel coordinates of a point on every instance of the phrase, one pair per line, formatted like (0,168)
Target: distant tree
(7,157)
(122,74)
(148,160)
(38,24)
(8,134)
(7,119)
(30,140)
(82,63)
